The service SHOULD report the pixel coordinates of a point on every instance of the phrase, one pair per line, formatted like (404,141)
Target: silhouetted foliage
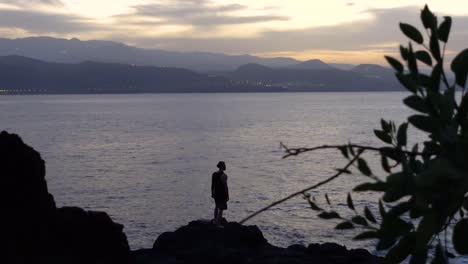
(424,195)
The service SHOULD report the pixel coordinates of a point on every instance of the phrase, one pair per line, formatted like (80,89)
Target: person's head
(221,166)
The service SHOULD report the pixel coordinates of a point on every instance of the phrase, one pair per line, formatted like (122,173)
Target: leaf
(412,63)
(417,103)
(435,78)
(440,256)
(424,80)
(345,171)
(329,215)
(444,29)
(367,235)
(369,215)
(434,46)
(349,201)
(395,187)
(359,220)
(423,123)
(404,52)
(399,209)
(401,250)
(460,237)
(351,150)
(423,56)
(344,151)
(382,135)
(314,206)
(427,17)
(365,187)
(460,67)
(391,153)
(412,33)
(402,134)
(396,65)
(382,209)
(384,163)
(328,200)
(344,225)
(407,82)
(363,167)
(386,126)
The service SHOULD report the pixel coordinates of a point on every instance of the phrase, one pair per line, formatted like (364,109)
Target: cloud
(370,34)
(201,25)
(32,2)
(198,14)
(37,22)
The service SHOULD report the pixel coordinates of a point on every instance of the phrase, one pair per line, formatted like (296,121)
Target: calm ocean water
(147,159)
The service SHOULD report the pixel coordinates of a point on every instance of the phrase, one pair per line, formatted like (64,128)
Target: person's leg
(220,216)
(215,218)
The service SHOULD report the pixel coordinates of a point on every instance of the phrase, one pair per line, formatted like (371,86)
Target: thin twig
(339,173)
(297,151)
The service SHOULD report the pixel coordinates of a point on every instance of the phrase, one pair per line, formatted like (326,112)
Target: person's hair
(221,165)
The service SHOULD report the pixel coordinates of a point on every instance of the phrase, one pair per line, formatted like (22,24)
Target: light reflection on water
(147,159)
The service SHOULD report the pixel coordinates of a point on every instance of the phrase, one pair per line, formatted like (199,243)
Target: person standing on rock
(219,191)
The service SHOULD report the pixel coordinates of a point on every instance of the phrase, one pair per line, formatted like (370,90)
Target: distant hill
(373,70)
(24,75)
(76,51)
(311,65)
(328,79)
(342,66)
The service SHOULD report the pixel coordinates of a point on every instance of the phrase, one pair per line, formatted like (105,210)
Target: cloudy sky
(358,31)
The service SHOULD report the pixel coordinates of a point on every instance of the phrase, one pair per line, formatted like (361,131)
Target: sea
(147,159)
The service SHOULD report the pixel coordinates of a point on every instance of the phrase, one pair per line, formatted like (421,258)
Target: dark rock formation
(34,230)
(203,242)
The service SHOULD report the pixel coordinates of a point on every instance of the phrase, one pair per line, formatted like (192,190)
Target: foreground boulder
(34,230)
(203,242)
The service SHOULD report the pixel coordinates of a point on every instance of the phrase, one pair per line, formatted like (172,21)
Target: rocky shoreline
(202,242)
(35,230)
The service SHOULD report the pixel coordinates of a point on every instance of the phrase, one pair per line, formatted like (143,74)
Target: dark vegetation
(424,188)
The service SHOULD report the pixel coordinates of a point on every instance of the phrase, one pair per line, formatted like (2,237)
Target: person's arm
(226,185)
(212,186)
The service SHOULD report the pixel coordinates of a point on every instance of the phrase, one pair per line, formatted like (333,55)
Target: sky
(359,31)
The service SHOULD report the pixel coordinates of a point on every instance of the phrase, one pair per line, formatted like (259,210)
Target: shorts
(221,204)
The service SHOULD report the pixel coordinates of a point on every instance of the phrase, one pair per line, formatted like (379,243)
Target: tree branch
(297,151)
(338,174)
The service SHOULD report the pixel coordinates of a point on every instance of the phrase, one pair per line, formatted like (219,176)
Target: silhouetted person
(219,191)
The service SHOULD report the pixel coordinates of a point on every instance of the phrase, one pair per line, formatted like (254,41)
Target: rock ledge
(202,242)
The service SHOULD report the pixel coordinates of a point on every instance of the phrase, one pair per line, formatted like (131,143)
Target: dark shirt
(219,189)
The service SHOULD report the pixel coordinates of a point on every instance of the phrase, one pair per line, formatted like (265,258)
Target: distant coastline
(22,75)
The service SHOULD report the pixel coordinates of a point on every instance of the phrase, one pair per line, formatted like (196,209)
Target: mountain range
(76,51)
(51,65)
